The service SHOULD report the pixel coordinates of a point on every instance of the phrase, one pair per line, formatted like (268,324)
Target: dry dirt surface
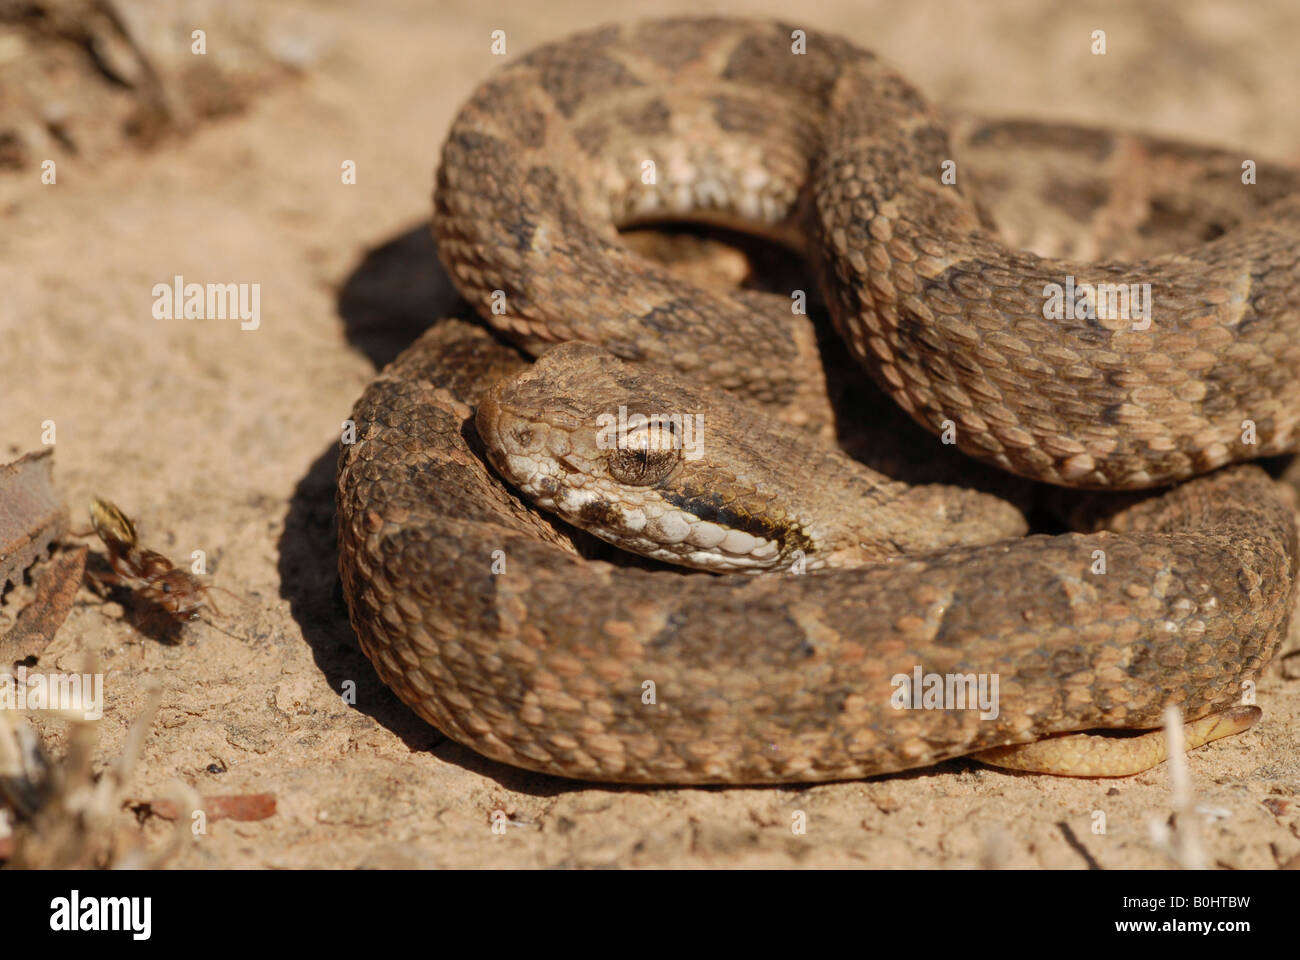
(222,439)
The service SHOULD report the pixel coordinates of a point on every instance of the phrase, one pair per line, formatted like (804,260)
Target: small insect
(148,573)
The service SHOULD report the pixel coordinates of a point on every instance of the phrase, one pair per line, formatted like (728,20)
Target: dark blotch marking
(917,338)
(599,513)
(544,180)
(593,136)
(741,115)
(677,316)
(571,77)
(477,151)
(521,228)
(930,144)
(529,127)
(648,119)
(764,59)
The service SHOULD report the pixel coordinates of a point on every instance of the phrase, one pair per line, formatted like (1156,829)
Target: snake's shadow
(384,304)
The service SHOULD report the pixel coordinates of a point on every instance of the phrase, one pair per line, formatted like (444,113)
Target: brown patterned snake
(495,624)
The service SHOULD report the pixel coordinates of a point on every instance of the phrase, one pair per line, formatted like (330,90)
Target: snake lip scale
(508,631)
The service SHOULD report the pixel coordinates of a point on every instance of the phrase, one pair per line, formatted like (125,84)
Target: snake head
(678,472)
(630,456)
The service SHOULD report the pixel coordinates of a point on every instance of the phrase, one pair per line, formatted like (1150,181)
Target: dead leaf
(31,515)
(40,620)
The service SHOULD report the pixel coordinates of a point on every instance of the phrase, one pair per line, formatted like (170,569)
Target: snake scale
(516,635)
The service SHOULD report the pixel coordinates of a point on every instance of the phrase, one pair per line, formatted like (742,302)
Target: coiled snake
(497,624)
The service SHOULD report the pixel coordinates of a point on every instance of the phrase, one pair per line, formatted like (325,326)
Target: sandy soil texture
(221,439)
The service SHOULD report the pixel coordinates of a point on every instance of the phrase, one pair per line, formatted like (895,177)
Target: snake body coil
(494,624)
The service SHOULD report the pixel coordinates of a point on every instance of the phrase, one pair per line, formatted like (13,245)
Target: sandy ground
(222,439)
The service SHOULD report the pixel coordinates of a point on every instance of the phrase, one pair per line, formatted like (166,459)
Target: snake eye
(640,468)
(647,454)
